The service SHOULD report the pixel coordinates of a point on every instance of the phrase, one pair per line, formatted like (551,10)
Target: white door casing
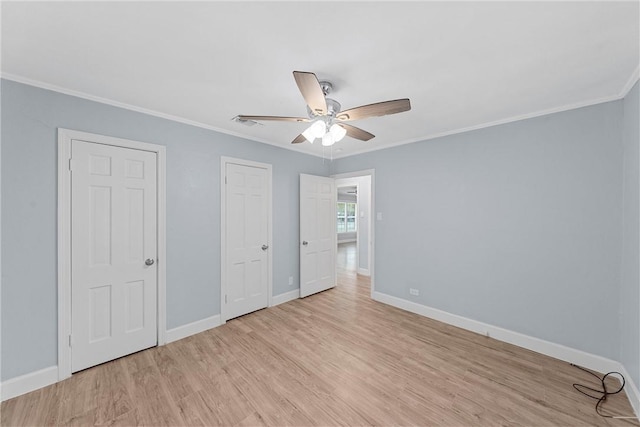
(111,248)
(318,237)
(246,237)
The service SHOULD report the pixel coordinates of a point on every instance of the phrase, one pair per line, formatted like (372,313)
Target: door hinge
(70,340)
(70,164)
(225,299)
(225,179)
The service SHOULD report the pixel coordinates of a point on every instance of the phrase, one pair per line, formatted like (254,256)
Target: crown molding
(635,75)
(137,109)
(629,84)
(554,110)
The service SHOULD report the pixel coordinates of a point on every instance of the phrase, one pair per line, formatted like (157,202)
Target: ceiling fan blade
(377,109)
(356,133)
(274,118)
(300,138)
(311,91)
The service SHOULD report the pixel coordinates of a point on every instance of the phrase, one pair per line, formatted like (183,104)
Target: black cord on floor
(601,394)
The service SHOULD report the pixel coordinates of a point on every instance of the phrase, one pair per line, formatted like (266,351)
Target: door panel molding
(224,161)
(65,136)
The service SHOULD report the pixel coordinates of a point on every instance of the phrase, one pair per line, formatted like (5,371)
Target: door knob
(305,243)
(149,261)
(265,247)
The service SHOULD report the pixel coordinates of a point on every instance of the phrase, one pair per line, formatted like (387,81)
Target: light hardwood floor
(336,358)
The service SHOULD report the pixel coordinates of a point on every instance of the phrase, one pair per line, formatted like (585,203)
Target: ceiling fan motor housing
(333,108)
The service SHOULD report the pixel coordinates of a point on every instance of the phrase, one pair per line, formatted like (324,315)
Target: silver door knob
(149,261)
(265,247)
(305,243)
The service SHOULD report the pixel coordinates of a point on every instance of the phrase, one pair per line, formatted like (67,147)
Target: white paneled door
(318,237)
(247,210)
(113,250)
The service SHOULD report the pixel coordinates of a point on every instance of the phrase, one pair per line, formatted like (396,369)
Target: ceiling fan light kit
(316,130)
(337,131)
(326,110)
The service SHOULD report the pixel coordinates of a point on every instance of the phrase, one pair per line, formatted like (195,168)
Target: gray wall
(630,280)
(30,118)
(516,225)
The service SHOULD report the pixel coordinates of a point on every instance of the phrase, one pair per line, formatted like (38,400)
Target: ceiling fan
(328,120)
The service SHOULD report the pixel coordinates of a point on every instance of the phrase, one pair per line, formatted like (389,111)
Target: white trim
(456,131)
(286,297)
(558,351)
(224,160)
(372,218)
(154,113)
(64,262)
(162,244)
(193,328)
(579,357)
(64,235)
(294,147)
(632,81)
(633,394)
(363,272)
(29,382)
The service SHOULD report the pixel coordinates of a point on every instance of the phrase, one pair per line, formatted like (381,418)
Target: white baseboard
(579,357)
(286,297)
(364,272)
(558,351)
(193,328)
(28,382)
(631,389)
(44,377)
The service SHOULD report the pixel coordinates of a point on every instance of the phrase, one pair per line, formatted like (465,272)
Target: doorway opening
(347,228)
(354,227)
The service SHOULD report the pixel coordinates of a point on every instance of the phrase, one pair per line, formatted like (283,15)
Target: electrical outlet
(414,292)
(290,280)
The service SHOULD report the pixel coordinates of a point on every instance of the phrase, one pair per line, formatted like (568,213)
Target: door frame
(372,218)
(224,160)
(64,235)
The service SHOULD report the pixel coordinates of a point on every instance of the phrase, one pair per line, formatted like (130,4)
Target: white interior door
(318,237)
(113,252)
(247,239)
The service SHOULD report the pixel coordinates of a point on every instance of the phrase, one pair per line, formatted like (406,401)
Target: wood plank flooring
(336,358)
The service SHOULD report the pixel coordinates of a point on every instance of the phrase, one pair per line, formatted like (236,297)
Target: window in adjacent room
(346,217)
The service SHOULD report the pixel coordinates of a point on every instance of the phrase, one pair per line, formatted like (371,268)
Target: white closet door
(247,245)
(113,239)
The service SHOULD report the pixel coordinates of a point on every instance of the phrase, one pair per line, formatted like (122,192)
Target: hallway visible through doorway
(347,253)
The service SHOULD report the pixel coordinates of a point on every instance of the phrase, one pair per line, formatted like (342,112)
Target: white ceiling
(463,65)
